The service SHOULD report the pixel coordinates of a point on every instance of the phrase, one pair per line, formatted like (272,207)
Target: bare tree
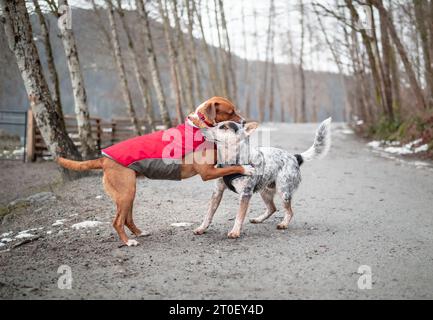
(221,54)
(416,88)
(193,51)
(213,87)
(246,81)
(52,71)
(121,69)
(153,65)
(18,32)
(79,91)
(143,84)
(303,108)
(184,59)
(174,66)
(423,23)
(229,61)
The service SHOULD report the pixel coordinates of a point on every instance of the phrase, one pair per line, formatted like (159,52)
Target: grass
(409,129)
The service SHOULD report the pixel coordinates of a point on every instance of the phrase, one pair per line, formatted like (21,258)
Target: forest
(367,63)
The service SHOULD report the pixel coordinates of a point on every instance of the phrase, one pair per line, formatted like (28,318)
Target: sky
(255,12)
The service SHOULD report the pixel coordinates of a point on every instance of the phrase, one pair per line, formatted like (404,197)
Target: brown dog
(120,181)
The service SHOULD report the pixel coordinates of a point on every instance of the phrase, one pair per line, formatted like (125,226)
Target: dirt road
(353,208)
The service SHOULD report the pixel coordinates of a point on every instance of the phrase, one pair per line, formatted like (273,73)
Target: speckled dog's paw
(249,170)
(199,231)
(234,234)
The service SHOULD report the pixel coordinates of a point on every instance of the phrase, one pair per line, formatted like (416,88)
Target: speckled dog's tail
(321,145)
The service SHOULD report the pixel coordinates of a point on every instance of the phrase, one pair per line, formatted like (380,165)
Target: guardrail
(105,133)
(9,118)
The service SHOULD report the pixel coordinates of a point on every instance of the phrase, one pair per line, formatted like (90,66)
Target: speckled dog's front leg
(214,203)
(243,208)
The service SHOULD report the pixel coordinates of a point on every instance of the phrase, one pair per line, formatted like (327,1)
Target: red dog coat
(158,155)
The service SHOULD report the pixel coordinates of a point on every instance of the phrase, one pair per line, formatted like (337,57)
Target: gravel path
(353,208)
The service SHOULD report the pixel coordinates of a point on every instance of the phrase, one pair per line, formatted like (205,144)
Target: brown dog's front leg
(214,203)
(209,172)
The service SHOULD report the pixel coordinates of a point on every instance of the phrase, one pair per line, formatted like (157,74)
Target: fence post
(98,133)
(113,131)
(30,140)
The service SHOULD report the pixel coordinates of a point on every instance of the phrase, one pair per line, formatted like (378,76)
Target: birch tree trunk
(422,23)
(263,96)
(370,54)
(174,66)
(213,87)
(385,91)
(121,69)
(52,71)
(143,84)
(185,65)
(18,32)
(193,52)
(386,69)
(233,90)
(222,56)
(79,91)
(416,88)
(246,80)
(303,111)
(153,64)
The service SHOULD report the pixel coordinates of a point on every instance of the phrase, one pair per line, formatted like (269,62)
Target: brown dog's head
(213,111)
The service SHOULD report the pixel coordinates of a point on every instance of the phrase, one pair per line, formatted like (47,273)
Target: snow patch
(6,234)
(98,197)
(27,231)
(86,224)
(49,232)
(394,147)
(24,235)
(58,222)
(374,144)
(181,224)
(6,240)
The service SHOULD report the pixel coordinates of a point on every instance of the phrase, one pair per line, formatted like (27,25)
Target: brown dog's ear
(250,127)
(210,112)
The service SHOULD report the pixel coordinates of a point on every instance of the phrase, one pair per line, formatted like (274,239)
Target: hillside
(324,91)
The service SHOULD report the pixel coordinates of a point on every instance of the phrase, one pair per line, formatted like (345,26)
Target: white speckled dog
(276,170)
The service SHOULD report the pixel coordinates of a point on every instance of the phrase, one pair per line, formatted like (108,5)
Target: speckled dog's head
(229,137)
(229,132)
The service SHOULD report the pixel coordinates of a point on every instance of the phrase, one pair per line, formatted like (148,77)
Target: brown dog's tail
(80,165)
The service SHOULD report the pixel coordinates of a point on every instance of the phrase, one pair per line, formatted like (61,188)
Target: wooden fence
(105,133)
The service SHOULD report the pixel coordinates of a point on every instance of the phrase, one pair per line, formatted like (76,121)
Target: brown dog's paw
(255,221)
(199,231)
(132,243)
(282,226)
(143,234)
(234,234)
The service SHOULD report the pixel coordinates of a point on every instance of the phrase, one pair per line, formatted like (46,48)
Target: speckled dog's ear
(250,127)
